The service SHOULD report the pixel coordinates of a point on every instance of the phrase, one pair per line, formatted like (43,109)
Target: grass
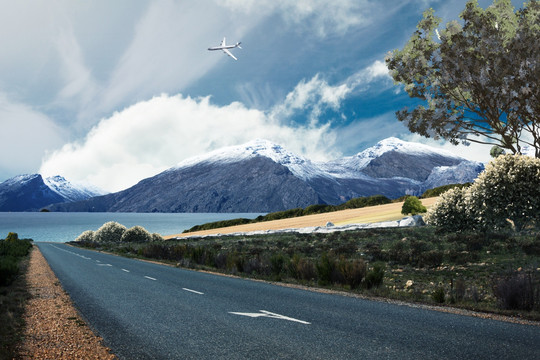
(13,298)
(479,272)
(13,291)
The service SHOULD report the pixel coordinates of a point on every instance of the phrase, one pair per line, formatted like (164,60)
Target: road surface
(148,311)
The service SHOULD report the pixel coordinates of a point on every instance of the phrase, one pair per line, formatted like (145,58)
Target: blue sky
(110,92)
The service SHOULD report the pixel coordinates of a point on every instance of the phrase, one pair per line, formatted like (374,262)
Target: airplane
(225,48)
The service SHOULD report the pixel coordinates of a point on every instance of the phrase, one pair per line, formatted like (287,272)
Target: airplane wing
(223,42)
(229,53)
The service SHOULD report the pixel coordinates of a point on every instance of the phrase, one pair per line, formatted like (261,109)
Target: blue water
(62,227)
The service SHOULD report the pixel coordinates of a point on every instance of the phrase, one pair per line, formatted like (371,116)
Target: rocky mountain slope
(32,192)
(261,176)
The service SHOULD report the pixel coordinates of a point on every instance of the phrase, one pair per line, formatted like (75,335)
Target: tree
(412,206)
(479,79)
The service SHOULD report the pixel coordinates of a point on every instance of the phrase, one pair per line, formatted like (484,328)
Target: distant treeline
(292,213)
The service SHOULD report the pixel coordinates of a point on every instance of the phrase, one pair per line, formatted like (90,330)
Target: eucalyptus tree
(477,79)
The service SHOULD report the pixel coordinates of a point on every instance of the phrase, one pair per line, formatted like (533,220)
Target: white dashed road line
(193,291)
(150,278)
(125,270)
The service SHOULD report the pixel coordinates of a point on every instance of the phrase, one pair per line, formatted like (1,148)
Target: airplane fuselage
(224,47)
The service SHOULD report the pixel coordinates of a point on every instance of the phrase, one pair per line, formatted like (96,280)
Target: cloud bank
(153,135)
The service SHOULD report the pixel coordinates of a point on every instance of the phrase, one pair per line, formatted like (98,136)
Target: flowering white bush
(86,236)
(508,189)
(136,234)
(450,211)
(110,232)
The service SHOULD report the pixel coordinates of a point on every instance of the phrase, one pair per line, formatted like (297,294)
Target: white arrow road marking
(151,278)
(264,313)
(193,291)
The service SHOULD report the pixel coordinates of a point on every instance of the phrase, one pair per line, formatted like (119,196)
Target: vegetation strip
(13,292)
(494,273)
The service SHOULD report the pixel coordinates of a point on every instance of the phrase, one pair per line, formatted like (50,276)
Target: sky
(111,92)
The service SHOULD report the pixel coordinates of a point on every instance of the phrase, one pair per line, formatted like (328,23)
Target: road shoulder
(54,329)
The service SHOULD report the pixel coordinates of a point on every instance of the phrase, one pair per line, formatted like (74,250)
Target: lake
(63,227)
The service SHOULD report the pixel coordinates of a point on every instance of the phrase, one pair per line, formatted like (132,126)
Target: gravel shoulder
(54,329)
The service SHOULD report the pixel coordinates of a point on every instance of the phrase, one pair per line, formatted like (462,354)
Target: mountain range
(32,192)
(262,176)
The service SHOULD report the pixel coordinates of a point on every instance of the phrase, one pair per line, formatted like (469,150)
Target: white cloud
(153,135)
(316,95)
(321,17)
(26,135)
(313,96)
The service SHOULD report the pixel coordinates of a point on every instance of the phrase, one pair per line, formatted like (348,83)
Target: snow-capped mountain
(300,166)
(31,192)
(72,191)
(261,176)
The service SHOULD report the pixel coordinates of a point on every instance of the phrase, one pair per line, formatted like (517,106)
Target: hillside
(351,216)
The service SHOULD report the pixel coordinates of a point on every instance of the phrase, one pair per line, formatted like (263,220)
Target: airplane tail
(238,45)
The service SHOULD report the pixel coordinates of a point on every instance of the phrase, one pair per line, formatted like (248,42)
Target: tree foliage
(412,206)
(479,78)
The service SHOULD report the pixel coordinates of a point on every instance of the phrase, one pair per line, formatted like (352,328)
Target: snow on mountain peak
(350,165)
(298,165)
(70,191)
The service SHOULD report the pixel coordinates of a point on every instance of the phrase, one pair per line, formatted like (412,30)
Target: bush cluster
(12,250)
(326,270)
(505,194)
(518,290)
(116,233)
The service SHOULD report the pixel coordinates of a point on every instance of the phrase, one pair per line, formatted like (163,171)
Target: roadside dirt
(370,214)
(54,328)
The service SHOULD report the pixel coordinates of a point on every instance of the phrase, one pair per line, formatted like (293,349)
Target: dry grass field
(370,214)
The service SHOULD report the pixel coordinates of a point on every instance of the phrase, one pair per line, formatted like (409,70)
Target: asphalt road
(149,311)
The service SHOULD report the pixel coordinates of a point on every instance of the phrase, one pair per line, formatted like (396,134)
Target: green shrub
(110,232)
(136,234)
(12,236)
(375,277)
(9,268)
(15,248)
(412,206)
(438,295)
(517,291)
(325,268)
(157,237)
(353,272)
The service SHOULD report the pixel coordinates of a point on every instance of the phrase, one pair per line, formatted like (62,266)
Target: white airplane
(225,48)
